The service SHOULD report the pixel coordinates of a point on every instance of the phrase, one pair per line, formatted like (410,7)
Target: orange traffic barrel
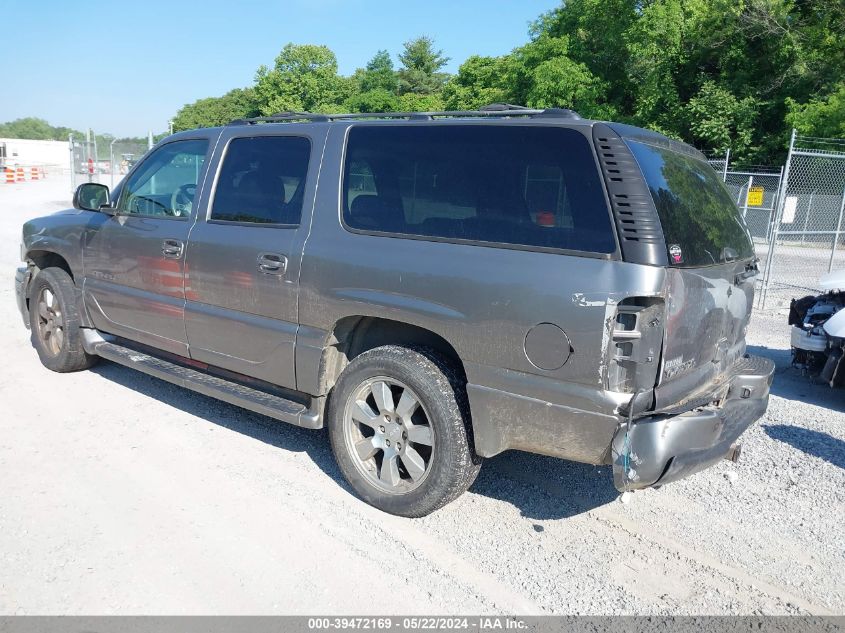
(20,175)
(10,176)
(33,173)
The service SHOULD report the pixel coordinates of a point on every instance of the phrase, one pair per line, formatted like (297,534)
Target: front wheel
(398,426)
(55,323)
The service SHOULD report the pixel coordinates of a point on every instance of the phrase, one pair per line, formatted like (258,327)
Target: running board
(206,384)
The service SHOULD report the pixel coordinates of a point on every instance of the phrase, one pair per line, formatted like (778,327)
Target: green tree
(480,81)
(542,74)
(379,74)
(772,51)
(561,82)
(655,48)
(716,73)
(213,111)
(718,120)
(596,37)
(824,117)
(421,67)
(415,102)
(377,100)
(35,128)
(303,78)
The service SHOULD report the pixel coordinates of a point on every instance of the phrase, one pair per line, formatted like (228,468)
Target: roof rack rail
(492,110)
(501,107)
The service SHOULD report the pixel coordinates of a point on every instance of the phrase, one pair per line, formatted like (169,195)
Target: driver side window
(165,185)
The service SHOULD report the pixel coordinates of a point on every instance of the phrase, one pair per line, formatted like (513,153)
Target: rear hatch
(711,275)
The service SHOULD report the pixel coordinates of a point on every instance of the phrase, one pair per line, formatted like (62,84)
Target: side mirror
(92,196)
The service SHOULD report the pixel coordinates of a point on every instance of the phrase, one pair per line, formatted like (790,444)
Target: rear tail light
(636,337)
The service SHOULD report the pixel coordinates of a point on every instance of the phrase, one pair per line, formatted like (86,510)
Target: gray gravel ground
(123,494)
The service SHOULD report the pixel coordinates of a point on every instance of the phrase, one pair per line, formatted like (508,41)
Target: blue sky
(126,66)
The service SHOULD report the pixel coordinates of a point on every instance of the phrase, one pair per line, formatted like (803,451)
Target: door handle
(272,263)
(172,249)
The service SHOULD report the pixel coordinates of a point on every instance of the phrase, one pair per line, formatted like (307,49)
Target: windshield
(700,221)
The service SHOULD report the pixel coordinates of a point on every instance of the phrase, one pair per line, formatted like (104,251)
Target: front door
(242,268)
(134,260)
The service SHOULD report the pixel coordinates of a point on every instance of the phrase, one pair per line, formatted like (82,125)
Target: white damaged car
(818,330)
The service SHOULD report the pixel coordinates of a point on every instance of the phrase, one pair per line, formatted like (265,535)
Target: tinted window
(262,180)
(701,223)
(534,186)
(166,182)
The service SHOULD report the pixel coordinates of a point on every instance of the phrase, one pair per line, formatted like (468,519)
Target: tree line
(39,129)
(718,74)
(715,73)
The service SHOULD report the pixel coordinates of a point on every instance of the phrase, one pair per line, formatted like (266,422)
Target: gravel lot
(122,494)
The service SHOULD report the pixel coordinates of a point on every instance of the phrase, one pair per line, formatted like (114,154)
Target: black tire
(68,354)
(452,465)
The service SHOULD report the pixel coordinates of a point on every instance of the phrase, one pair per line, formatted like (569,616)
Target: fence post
(72,170)
(747,193)
(838,228)
(88,153)
(111,161)
(784,184)
(775,201)
(725,170)
(96,158)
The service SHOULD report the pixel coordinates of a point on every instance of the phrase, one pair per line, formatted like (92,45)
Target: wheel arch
(354,335)
(42,259)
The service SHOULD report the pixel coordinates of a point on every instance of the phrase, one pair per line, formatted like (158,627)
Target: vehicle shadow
(815,443)
(793,384)
(542,488)
(545,488)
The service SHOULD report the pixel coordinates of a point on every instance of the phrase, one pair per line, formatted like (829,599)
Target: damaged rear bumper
(659,449)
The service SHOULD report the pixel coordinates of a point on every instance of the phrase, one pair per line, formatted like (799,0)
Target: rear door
(711,271)
(243,260)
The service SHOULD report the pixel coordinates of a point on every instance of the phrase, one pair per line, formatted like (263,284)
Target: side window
(532,186)
(262,180)
(165,184)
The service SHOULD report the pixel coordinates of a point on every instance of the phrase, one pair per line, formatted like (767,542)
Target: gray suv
(435,288)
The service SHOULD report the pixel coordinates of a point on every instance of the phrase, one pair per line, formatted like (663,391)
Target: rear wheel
(55,323)
(397,421)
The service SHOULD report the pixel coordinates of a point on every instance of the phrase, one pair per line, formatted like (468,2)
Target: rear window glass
(532,186)
(700,221)
(262,180)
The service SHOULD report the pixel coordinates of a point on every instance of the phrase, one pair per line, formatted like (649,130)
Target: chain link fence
(719,162)
(755,190)
(807,238)
(85,164)
(105,165)
(755,194)
(122,157)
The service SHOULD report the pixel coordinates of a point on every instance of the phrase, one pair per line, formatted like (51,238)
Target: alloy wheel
(50,321)
(388,435)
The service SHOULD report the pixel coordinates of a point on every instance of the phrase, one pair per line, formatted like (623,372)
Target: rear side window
(262,180)
(700,221)
(531,186)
